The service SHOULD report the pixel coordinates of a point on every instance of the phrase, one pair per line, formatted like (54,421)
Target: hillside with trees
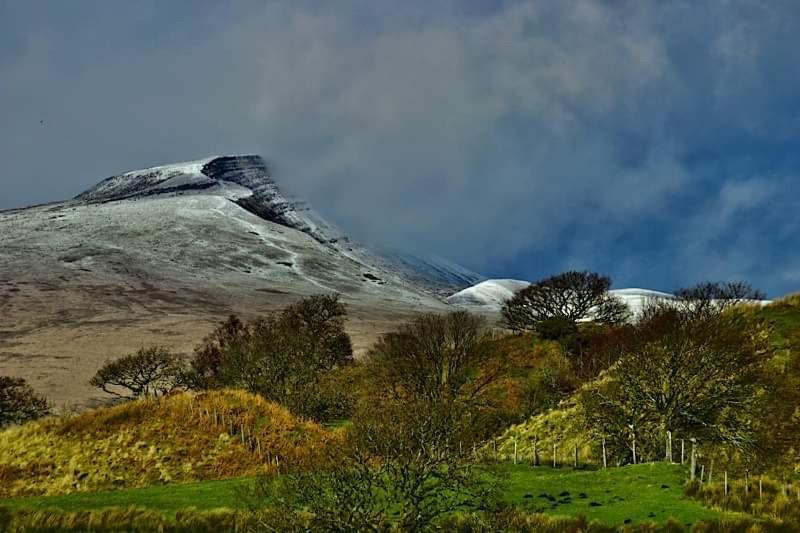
(447,423)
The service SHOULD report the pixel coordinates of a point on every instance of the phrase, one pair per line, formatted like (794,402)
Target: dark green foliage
(19,403)
(148,372)
(567,297)
(557,328)
(206,365)
(284,357)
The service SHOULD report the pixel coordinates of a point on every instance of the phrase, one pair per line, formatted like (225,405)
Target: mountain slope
(158,256)
(246,181)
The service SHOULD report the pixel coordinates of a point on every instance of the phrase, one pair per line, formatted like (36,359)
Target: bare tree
(19,403)
(711,297)
(570,296)
(682,373)
(435,357)
(150,371)
(403,462)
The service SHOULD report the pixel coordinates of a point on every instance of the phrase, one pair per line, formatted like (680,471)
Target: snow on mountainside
(158,256)
(437,273)
(490,295)
(246,181)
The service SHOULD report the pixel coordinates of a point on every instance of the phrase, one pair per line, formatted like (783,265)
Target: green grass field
(648,492)
(614,496)
(204,495)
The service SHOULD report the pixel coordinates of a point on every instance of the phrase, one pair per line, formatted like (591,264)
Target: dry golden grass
(183,437)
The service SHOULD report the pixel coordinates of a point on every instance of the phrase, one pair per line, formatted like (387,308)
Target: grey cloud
(483,138)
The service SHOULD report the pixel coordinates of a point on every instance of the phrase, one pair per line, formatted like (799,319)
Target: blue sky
(658,142)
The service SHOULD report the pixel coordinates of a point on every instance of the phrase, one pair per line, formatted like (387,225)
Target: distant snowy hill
(490,295)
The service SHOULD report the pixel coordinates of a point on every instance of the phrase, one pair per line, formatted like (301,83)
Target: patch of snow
(490,294)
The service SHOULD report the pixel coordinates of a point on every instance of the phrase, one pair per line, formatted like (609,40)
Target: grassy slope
(635,493)
(564,426)
(153,442)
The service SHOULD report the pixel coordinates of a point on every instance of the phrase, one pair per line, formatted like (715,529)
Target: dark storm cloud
(655,141)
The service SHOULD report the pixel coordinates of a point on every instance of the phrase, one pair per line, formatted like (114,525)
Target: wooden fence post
(605,459)
(515,450)
(710,470)
(726,483)
(693,465)
(683,455)
(760,488)
(669,446)
(555,456)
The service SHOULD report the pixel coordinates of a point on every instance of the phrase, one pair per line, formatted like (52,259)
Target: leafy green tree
(283,357)
(19,403)
(561,299)
(206,365)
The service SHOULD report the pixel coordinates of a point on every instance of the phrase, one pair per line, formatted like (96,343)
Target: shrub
(19,403)
(284,357)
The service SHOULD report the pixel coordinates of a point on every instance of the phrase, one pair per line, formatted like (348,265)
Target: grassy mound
(184,437)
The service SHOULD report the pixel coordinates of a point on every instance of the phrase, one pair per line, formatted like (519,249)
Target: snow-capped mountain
(490,295)
(157,256)
(247,182)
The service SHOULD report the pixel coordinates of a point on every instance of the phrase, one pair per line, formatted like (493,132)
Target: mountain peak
(246,181)
(195,175)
